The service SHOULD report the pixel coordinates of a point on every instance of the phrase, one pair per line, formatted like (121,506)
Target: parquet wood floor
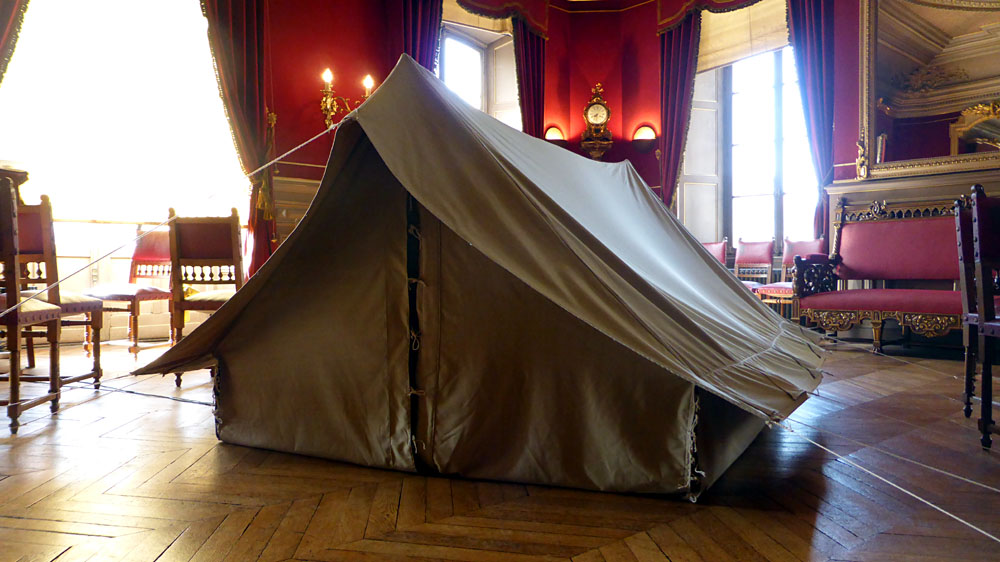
(116,476)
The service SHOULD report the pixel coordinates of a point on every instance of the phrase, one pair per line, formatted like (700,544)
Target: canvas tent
(464,299)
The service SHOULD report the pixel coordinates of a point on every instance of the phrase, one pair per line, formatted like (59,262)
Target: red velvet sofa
(889,248)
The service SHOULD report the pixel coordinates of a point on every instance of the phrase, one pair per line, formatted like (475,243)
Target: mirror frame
(864,166)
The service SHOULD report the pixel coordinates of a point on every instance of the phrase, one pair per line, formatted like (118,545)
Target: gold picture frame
(866,166)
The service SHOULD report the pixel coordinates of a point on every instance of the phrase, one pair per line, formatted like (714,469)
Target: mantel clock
(596,138)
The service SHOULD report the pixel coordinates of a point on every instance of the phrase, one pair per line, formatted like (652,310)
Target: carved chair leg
(14,349)
(133,329)
(177,379)
(876,336)
(971,340)
(55,383)
(29,347)
(97,323)
(88,340)
(986,395)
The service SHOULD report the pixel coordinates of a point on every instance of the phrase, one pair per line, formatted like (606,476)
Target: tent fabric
(569,330)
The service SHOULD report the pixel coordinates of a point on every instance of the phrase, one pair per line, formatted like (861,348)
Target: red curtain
(418,30)
(529,58)
(810,26)
(678,63)
(11,15)
(237,33)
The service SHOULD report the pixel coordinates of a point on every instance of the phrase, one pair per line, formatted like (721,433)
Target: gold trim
(290,163)
(867,104)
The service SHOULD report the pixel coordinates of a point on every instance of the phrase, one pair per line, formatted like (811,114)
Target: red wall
(845,95)
(308,36)
(619,49)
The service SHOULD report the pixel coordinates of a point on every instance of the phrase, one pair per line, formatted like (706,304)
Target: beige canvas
(567,329)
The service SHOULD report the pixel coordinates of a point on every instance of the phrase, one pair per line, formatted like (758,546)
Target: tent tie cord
(415,281)
(414,340)
(417,392)
(414,231)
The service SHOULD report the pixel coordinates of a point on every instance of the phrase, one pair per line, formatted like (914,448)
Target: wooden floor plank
(128,477)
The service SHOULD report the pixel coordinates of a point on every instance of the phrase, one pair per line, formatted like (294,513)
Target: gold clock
(596,138)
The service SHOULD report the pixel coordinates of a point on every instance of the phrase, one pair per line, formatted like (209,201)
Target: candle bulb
(368,83)
(328,77)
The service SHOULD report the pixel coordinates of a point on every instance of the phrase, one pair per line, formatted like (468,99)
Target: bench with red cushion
(890,245)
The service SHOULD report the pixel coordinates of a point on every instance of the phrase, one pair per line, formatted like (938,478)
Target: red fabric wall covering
(620,49)
(920,137)
(845,87)
(308,36)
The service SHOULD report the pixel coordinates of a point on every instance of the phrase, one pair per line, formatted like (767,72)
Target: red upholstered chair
(150,260)
(780,292)
(203,251)
(754,262)
(19,322)
(718,249)
(986,244)
(39,268)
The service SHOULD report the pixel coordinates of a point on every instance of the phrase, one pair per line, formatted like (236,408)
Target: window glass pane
(753,117)
(509,117)
(753,218)
(799,210)
(463,71)
(793,120)
(799,174)
(789,73)
(754,73)
(753,169)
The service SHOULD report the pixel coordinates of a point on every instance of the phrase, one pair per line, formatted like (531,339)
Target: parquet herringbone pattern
(117,476)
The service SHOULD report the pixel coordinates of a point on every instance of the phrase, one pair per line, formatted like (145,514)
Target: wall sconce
(644,138)
(332,104)
(554,133)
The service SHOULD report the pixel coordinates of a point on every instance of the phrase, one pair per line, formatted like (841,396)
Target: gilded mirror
(930,87)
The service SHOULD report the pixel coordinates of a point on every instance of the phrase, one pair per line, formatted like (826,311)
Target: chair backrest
(718,249)
(895,240)
(754,261)
(151,258)
(9,248)
(794,248)
(36,241)
(966,253)
(204,251)
(986,242)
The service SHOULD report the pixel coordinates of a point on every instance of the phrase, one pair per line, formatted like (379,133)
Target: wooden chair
(967,284)
(203,251)
(986,257)
(150,260)
(754,263)
(39,267)
(780,293)
(718,249)
(18,322)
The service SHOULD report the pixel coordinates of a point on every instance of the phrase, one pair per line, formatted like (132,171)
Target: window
(772,186)
(478,65)
(114,109)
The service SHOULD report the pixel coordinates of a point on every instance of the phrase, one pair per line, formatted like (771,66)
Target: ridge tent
(462,298)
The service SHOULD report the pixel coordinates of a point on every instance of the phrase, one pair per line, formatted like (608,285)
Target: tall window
(478,65)
(114,110)
(773,187)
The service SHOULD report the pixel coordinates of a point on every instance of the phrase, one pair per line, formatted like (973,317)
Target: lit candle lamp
(368,83)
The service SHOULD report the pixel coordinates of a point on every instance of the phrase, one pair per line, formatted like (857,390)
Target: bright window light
(463,71)
(114,110)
